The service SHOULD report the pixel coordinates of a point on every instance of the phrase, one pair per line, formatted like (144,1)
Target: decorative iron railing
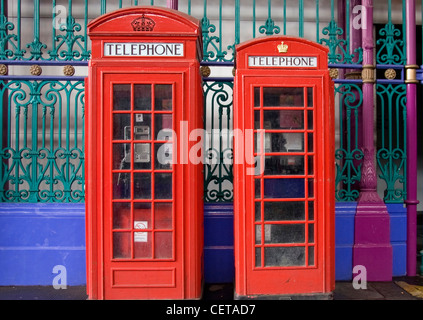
(42,113)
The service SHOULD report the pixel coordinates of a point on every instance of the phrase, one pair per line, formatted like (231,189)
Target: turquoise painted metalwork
(391,155)
(348,156)
(269,27)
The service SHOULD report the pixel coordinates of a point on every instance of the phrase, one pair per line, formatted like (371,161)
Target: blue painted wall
(34,238)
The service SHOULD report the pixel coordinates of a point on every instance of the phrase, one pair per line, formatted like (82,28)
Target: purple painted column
(172,4)
(372,248)
(411,138)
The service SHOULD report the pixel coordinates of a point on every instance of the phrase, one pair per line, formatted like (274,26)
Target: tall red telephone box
(284,179)
(143,196)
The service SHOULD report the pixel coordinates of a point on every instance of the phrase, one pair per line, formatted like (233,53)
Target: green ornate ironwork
(391,155)
(44,160)
(218,184)
(349,155)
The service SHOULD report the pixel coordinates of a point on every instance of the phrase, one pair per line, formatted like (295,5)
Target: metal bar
(411,201)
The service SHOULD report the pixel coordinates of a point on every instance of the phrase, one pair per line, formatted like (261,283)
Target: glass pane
(309,97)
(120,123)
(121,156)
(142,126)
(163,97)
(283,211)
(256,97)
(257,120)
(310,142)
(284,165)
(311,210)
(142,215)
(283,119)
(121,215)
(163,215)
(163,152)
(311,188)
(142,242)
(311,256)
(121,245)
(163,127)
(258,257)
(284,233)
(284,188)
(142,97)
(257,206)
(310,120)
(142,185)
(121,97)
(284,142)
(284,256)
(311,233)
(258,234)
(163,185)
(284,97)
(310,165)
(163,245)
(142,156)
(257,187)
(121,185)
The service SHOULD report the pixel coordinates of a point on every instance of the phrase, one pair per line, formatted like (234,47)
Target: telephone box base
(305,296)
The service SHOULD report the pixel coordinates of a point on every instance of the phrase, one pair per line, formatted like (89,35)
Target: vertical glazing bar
(411,201)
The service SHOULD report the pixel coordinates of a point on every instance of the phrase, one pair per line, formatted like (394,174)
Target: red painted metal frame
(317,278)
(180,276)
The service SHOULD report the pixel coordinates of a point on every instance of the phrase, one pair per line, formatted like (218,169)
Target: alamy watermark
(360,280)
(60,281)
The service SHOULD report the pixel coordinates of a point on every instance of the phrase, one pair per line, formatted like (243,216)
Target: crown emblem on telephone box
(283,48)
(143,24)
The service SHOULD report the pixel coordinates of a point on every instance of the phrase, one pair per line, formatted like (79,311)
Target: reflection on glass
(121,185)
(163,215)
(283,119)
(256,97)
(284,233)
(283,142)
(143,248)
(121,215)
(121,121)
(258,257)
(284,256)
(163,245)
(283,97)
(311,210)
(311,256)
(121,156)
(163,126)
(121,245)
(163,97)
(284,165)
(284,211)
(164,156)
(310,97)
(142,214)
(163,185)
(121,97)
(311,233)
(142,185)
(284,188)
(142,97)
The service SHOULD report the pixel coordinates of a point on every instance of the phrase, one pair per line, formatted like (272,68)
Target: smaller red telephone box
(284,180)
(144,202)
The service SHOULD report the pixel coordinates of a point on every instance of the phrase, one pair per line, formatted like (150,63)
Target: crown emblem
(143,24)
(283,48)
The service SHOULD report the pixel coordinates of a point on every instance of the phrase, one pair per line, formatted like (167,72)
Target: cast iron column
(372,247)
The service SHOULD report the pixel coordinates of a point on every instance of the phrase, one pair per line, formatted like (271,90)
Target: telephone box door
(143,246)
(284,226)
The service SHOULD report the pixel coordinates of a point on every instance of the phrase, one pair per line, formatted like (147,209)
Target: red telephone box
(284,179)
(143,196)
